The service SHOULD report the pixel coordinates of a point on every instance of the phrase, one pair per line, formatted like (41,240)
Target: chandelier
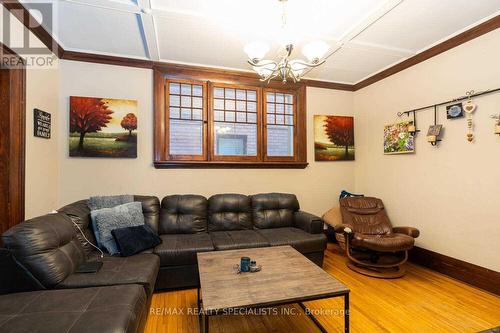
(284,67)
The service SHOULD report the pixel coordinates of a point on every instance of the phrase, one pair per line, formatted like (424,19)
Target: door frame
(16,105)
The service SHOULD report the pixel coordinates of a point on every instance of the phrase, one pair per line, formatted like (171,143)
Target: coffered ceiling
(365,36)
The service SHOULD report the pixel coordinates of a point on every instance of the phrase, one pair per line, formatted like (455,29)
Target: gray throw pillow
(106,201)
(108,219)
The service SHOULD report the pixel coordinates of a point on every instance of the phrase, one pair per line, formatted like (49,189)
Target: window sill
(228,165)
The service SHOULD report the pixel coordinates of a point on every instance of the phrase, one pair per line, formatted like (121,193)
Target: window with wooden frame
(210,118)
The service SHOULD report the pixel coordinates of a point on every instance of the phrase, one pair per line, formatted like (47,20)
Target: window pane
(197,114)
(241,117)
(289,99)
(280,119)
(219,92)
(252,106)
(230,93)
(270,97)
(175,113)
(251,95)
(186,113)
(185,89)
(241,94)
(197,102)
(186,101)
(280,98)
(219,115)
(197,90)
(241,105)
(186,137)
(175,100)
(175,88)
(289,109)
(270,107)
(235,139)
(280,108)
(279,140)
(219,104)
(230,116)
(252,117)
(270,118)
(230,104)
(289,120)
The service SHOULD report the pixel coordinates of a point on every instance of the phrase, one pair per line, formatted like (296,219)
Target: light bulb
(256,50)
(314,51)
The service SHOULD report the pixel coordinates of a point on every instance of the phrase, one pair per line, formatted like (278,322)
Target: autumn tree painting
(87,115)
(333,138)
(102,127)
(129,122)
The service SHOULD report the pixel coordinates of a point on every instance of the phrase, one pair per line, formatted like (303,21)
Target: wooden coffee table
(287,277)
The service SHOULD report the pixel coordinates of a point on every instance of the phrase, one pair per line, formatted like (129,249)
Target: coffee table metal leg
(315,321)
(346,313)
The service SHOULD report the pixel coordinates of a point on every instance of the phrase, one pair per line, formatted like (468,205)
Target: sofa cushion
(109,201)
(299,239)
(229,212)
(132,240)
(109,309)
(274,210)
(383,243)
(138,269)
(150,210)
(181,249)
(183,214)
(237,239)
(108,219)
(46,246)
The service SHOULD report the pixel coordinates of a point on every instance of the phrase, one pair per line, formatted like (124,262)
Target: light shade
(297,67)
(256,50)
(314,51)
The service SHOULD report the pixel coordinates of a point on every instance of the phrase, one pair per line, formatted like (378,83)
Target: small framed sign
(41,124)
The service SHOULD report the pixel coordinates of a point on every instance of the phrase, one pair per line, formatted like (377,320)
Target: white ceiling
(365,36)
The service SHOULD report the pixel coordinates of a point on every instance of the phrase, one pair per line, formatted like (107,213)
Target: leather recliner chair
(374,247)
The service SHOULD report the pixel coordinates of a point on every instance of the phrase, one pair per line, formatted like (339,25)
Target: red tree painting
(340,131)
(87,115)
(129,122)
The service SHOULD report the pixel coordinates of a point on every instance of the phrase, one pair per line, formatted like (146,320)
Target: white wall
(451,192)
(317,186)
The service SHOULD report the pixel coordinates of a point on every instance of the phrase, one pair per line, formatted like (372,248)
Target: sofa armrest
(410,231)
(308,222)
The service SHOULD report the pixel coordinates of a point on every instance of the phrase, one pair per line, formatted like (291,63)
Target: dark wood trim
(12,150)
(477,276)
(328,85)
(228,165)
(23,15)
(106,59)
(448,44)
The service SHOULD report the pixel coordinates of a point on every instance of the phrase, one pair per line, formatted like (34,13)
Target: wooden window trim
(215,77)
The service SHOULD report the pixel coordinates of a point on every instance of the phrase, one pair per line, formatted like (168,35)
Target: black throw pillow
(132,240)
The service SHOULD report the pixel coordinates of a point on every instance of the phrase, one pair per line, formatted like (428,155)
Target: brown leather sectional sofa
(42,254)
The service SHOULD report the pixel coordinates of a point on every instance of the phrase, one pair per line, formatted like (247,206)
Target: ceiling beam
(148,26)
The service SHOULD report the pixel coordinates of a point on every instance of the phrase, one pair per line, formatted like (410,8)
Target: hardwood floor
(422,301)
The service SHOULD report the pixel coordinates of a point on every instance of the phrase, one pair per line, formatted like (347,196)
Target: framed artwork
(102,127)
(333,138)
(397,139)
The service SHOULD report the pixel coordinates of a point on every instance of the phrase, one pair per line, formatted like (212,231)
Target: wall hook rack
(458,99)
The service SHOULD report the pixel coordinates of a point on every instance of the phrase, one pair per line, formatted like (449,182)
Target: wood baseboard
(477,276)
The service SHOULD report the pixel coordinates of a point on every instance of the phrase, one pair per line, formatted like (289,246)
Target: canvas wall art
(102,127)
(333,138)
(397,139)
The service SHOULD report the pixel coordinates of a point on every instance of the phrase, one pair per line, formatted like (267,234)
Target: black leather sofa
(46,250)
